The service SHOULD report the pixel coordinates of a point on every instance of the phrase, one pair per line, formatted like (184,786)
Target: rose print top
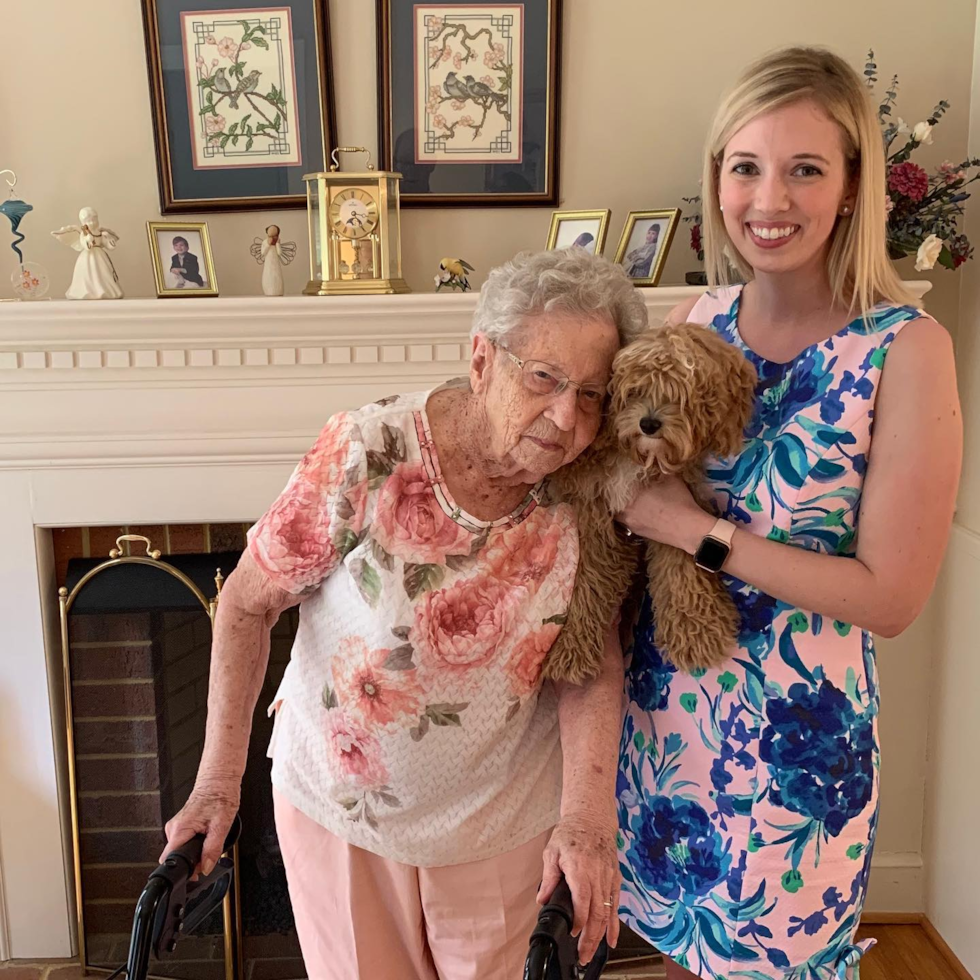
(412,720)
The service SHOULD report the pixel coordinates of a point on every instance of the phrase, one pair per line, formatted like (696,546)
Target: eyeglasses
(545,379)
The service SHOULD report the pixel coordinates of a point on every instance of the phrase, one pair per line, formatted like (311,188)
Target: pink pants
(364,917)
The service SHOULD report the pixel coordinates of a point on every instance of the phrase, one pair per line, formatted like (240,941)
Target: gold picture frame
(198,275)
(640,259)
(578,223)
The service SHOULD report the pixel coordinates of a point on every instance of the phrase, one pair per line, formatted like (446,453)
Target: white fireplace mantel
(156,411)
(134,381)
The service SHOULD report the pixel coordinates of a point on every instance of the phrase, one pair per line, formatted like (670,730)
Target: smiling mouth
(771,235)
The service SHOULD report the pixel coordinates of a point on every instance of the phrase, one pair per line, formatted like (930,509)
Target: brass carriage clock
(355,230)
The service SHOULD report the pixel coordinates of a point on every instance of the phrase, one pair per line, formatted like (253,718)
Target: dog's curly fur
(700,390)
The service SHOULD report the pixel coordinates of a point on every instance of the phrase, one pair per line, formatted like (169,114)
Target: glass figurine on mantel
(30,279)
(355,230)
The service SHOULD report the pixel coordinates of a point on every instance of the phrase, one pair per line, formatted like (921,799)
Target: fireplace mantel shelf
(243,331)
(100,339)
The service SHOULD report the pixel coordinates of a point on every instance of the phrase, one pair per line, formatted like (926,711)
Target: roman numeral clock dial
(353,213)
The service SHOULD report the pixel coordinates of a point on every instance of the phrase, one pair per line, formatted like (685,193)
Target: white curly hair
(566,280)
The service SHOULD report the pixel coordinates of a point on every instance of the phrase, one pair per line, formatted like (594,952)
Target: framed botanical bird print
(242,101)
(468,101)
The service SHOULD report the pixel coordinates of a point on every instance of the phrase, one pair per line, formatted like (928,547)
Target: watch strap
(722,531)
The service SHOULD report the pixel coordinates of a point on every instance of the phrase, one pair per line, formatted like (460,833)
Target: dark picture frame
(266,68)
(475,122)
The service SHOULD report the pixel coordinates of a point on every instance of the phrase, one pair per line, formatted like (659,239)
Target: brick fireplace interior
(139,644)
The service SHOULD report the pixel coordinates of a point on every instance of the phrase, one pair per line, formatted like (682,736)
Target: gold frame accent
(557,217)
(672,216)
(161,135)
(201,227)
(231,913)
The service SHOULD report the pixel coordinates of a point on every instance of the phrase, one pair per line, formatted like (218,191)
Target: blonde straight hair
(861,274)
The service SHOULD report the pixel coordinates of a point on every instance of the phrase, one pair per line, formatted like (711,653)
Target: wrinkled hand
(209,810)
(583,848)
(663,511)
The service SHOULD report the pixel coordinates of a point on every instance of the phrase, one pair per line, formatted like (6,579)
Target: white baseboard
(897,883)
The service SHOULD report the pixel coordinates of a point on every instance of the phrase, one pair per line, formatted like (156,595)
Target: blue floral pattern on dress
(748,794)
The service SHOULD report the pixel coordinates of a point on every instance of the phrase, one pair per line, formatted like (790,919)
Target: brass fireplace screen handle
(117,551)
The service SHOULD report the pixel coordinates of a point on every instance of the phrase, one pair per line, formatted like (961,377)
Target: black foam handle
(191,850)
(561,901)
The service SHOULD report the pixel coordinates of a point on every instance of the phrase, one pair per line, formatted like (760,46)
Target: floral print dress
(411,720)
(748,794)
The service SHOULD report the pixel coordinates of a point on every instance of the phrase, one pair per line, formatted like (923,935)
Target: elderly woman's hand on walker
(583,844)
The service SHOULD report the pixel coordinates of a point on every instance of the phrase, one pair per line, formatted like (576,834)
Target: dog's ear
(739,384)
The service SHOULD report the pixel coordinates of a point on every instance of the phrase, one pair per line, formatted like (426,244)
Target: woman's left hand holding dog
(666,511)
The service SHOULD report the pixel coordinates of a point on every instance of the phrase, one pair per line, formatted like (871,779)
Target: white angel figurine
(272,254)
(95,275)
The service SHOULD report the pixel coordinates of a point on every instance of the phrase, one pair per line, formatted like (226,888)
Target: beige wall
(640,81)
(951,848)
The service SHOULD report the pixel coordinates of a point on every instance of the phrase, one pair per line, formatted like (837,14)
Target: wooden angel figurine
(95,275)
(272,254)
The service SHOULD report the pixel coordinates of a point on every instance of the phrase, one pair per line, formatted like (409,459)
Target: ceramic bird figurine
(248,84)
(452,273)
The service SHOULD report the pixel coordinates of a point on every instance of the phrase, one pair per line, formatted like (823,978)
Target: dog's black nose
(650,426)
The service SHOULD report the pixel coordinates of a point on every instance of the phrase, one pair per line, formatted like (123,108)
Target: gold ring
(608,905)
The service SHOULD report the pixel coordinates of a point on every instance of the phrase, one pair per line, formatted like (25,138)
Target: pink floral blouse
(412,720)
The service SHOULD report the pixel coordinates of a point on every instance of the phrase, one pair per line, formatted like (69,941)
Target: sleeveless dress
(748,794)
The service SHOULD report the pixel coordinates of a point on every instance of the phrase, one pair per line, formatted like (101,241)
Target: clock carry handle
(348,149)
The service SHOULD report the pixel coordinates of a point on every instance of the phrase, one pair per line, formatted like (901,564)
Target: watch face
(711,554)
(353,213)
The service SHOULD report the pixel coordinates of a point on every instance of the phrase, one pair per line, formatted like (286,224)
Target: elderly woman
(421,793)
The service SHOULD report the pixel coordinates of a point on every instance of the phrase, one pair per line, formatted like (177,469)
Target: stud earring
(845,210)
(721,207)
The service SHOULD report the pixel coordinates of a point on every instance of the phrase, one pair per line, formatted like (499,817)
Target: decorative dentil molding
(257,334)
(99,340)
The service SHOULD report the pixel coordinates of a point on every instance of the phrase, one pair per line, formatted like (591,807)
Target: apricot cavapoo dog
(679,393)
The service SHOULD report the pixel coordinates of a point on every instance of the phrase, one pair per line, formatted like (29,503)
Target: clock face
(353,213)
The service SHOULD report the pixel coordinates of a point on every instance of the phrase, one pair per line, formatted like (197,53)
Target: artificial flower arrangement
(923,209)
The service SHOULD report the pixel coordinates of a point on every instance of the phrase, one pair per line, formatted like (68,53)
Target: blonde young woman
(748,794)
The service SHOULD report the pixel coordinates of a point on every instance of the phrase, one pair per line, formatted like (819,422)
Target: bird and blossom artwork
(241,85)
(469,78)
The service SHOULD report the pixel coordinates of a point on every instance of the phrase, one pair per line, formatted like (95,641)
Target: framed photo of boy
(182,260)
(586,229)
(468,101)
(242,101)
(645,242)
